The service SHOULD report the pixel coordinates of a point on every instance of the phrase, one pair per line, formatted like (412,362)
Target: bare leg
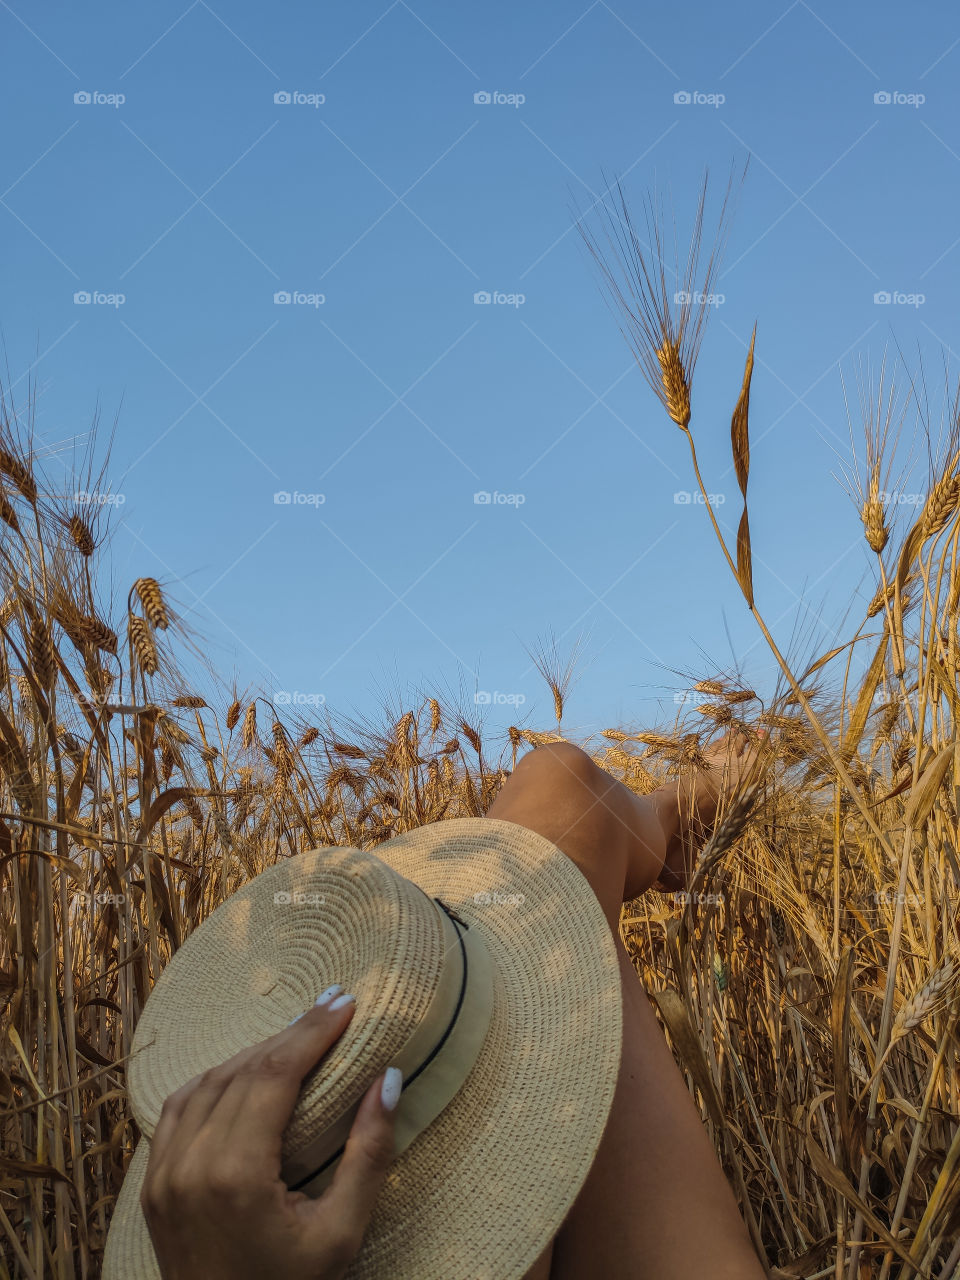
(656,1202)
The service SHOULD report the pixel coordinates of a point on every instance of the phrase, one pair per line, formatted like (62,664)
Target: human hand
(215,1204)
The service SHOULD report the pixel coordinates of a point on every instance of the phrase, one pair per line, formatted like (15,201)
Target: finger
(254,1110)
(170,1116)
(188,1109)
(350,1198)
(176,1130)
(190,1106)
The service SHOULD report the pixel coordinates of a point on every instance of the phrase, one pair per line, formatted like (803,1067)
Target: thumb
(367,1155)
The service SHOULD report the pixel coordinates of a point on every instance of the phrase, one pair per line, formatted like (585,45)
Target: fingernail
(322,999)
(391,1087)
(342,1001)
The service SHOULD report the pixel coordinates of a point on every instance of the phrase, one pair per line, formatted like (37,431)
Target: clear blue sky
(397,198)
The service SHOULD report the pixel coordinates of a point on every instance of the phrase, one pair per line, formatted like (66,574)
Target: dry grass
(810,993)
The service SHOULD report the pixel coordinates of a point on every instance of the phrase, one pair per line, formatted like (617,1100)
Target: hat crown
(332,915)
(487,1183)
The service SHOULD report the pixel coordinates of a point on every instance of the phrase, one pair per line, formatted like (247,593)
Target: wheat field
(809,993)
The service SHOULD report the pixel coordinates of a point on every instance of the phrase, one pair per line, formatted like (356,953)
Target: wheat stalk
(82,536)
(19,474)
(248,735)
(141,641)
(154,605)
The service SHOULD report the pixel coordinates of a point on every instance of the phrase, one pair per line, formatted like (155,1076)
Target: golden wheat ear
(661,304)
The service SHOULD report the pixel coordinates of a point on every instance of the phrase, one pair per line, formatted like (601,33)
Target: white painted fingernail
(391,1088)
(322,999)
(342,1001)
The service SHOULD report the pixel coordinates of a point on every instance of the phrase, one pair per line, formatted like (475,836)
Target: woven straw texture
(480,1193)
(263,957)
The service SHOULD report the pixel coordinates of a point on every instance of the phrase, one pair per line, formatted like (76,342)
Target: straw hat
(482,964)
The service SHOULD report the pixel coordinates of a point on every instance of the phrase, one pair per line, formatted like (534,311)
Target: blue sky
(384,387)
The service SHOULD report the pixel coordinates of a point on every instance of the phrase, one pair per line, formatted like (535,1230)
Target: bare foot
(688,807)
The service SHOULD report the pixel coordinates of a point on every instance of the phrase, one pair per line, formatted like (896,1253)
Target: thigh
(656,1203)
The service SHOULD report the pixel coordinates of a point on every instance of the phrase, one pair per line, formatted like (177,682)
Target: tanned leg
(656,1202)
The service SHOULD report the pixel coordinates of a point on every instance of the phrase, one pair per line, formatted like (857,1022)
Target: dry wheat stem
(798,693)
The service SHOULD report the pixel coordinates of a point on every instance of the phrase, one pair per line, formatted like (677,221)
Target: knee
(569,799)
(562,764)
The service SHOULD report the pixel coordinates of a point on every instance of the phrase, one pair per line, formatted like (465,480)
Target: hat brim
(482,1191)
